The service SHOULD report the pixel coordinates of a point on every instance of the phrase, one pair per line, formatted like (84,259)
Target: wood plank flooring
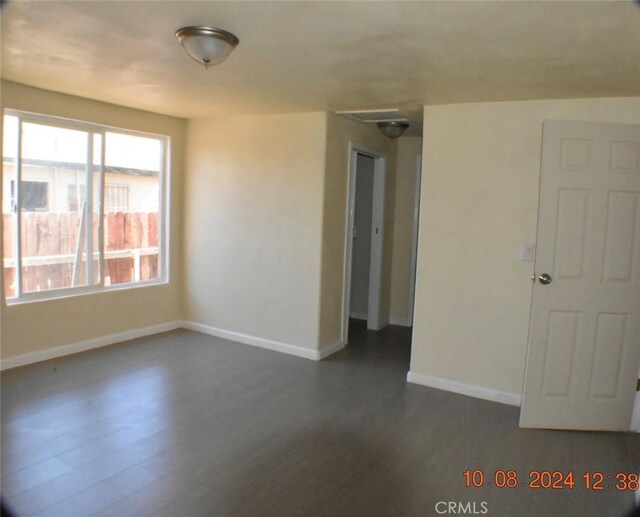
(183,424)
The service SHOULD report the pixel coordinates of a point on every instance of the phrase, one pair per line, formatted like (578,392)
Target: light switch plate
(526,253)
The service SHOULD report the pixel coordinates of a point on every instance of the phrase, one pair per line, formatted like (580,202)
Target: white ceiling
(309,56)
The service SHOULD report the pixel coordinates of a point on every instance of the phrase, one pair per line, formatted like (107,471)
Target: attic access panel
(374,116)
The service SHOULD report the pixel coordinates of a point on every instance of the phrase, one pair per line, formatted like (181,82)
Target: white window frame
(163,203)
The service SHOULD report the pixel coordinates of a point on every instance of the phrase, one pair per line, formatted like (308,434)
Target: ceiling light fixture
(207,45)
(392,128)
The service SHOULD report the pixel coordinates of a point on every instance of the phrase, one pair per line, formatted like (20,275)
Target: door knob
(544,279)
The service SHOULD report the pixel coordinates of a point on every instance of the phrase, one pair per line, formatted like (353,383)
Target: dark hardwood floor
(183,424)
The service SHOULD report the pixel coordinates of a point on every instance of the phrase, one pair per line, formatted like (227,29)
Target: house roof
(317,56)
(74,166)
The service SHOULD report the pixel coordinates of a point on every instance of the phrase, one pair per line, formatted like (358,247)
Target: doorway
(365,238)
(361,251)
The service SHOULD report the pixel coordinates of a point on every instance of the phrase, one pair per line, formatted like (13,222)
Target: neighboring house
(59,187)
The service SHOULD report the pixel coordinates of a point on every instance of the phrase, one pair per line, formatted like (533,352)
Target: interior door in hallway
(362,238)
(584,337)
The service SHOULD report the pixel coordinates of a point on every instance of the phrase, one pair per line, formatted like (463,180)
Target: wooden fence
(49,243)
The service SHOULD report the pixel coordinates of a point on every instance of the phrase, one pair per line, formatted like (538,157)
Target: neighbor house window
(35,195)
(83,207)
(116,198)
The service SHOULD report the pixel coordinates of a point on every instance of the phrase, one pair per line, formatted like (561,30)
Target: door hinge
(638,385)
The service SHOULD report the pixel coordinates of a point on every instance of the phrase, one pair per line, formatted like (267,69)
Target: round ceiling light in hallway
(393,128)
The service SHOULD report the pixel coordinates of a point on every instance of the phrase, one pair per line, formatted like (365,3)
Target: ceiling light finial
(392,128)
(207,45)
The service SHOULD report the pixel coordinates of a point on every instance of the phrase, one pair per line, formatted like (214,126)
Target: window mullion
(101,189)
(18,210)
(89,208)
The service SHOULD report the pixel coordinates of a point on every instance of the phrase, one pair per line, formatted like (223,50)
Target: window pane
(55,221)
(131,205)
(10,139)
(133,152)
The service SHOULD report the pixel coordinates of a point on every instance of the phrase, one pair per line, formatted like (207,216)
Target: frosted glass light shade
(207,45)
(392,128)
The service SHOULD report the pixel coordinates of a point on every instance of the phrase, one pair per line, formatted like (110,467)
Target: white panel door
(584,337)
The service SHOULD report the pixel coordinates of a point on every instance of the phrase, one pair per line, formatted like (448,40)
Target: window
(35,196)
(116,198)
(89,211)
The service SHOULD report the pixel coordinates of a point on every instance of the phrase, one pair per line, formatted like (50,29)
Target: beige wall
(268,209)
(254,224)
(408,150)
(481,167)
(36,326)
(263,236)
(341,131)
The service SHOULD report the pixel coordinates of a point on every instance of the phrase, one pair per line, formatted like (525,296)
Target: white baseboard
(276,346)
(247,339)
(401,322)
(470,390)
(331,349)
(89,344)
(359,316)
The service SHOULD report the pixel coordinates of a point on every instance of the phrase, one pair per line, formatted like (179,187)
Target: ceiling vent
(375,116)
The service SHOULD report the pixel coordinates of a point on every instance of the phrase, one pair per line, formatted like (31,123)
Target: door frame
(414,240)
(635,417)
(375,320)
